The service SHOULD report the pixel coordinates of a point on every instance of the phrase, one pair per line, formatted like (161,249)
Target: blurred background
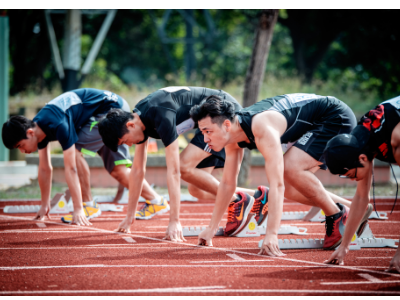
(350,54)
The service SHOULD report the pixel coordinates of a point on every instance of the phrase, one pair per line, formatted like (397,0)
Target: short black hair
(14,130)
(113,126)
(216,108)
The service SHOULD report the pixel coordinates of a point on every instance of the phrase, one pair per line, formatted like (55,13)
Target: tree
(256,71)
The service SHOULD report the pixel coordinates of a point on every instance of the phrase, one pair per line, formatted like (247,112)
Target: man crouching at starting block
(164,115)
(71,119)
(351,156)
(308,122)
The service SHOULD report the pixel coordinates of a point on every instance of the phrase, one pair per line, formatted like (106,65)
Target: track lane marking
(235,257)
(42,225)
(220,249)
(228,261)
(369,277)
(204,290)
(163,266)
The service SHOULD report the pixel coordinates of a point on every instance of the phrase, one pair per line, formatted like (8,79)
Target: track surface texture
(52,258)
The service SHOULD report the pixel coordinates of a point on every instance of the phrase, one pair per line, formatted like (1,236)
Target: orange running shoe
(260,207)
(238,211)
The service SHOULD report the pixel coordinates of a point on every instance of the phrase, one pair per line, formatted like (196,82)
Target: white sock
(89,203)
(157,200)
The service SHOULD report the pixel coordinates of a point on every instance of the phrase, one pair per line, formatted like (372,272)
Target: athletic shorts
(90,142)
(315,139)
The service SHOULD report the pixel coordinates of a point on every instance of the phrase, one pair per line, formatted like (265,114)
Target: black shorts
(315,139)
(216,159)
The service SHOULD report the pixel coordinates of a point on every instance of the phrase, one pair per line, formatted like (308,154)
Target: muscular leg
(84,176)
(292,194)
(121,174)
(201,181)
(299,173)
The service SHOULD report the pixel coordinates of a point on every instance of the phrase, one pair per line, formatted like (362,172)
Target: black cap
(342,152)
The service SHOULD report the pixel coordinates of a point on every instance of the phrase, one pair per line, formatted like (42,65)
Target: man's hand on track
(125,225)
(79,218)
(337,257)
(44,211)
(205,237)
(174,232)
(395,263)
(270,246)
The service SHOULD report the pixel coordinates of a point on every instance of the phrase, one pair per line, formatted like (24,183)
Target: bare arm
(44,177)
(71,176)
(226,190)
(174,230)
(136,177)
(268,142)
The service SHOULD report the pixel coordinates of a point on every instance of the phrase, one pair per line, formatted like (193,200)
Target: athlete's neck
(39,133)
(237,135)
(139,122)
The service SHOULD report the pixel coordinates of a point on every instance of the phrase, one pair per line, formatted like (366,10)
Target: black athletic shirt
(62,117)
(165,113)
(381,121)
(302,112)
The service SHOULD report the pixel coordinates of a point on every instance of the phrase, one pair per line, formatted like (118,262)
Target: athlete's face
(134,135)
(28,145)
(215,136)
(360,173)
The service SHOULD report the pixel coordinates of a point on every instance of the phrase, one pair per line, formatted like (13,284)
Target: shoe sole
(364,220)
(155,214)
(95,215)
(360,229)
(245,215)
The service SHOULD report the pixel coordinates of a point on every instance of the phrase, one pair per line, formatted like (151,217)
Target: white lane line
(376,257)
(229,261)
(203,290)
(129,239)
(320,265)
(130,247)
(166,266)
(186,219)
(235,257)
(42,225)
(360,282)
(58,231)
(369,277)
(139,244)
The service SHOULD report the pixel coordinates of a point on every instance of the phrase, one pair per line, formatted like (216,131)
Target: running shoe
(364,220)
(91,211)
(335,226)
(238,212)
(150,210)
(260,207)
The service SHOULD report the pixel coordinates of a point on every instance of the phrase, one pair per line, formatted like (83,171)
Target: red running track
(57,259)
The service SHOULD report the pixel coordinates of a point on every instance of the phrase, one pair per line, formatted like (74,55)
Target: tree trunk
(255,74)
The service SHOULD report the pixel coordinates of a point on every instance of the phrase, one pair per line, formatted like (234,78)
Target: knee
(193,190)
(118,173)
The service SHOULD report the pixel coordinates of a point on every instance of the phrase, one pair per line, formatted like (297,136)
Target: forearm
(224,196)
(173,183)
(275,208)
(44,179)
(136,178)
(358,207)
(71,176)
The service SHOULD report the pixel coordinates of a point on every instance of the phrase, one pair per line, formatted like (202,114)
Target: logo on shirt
(305,138)
(110,96)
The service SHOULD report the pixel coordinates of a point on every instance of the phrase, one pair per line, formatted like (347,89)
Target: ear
(130,124)
(30,132)
(227,124)
(363,159)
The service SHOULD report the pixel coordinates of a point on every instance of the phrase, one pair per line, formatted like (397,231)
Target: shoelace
(256,206)
(231,212)
(329,225)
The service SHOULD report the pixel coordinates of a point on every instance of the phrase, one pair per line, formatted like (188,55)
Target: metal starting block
(315,214)
(366,240)
(60,204)
(111,207)
(249,230)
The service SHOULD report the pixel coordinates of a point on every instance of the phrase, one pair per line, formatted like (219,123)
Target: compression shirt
(302,112)
(63,116)
(165,113)
(381,122)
